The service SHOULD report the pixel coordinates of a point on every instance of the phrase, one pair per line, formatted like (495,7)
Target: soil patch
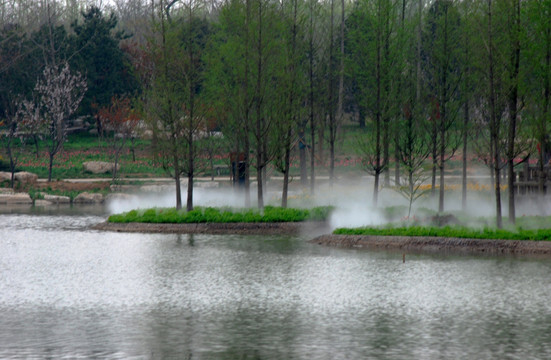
(437,244)
(284,228)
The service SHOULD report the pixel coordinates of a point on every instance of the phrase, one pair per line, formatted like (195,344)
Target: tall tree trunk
(340,111)
(287,162)
(443,116)
(442,157)
(543,140)
(246,138)
(386,151)
(464,157)
(494,127)
(311,98)
(302,154)
(332,114)
(386,88)
(377,160)
(513,110)
(247,161)
(190,173)
(378,110)
(434,154)
(259,119)
(51,155)
(177,181)
(312,154)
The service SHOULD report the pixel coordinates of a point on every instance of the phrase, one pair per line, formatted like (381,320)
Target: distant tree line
(423,79)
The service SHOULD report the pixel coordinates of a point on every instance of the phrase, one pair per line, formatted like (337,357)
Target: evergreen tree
(95,52)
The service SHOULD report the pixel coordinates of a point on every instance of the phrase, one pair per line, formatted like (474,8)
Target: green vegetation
(526,230)
(397,88)
(222,215)
(84,147)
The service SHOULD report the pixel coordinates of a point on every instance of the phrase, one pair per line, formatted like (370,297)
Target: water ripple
(68,292)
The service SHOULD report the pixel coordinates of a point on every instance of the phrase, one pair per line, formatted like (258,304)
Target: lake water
(70,292)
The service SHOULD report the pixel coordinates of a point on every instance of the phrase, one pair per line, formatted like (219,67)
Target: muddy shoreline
(440,245)
(283,228)
(403,244)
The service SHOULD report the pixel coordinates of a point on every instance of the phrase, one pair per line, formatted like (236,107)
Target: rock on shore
(88,198)
(15,198)
(23,177)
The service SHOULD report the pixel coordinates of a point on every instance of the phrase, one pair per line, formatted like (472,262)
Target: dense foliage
(279,79)
(222,215)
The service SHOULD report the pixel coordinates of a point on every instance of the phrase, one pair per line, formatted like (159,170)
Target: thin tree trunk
(115,165)
(287,163)
(311,84)
(247,144)
(50,167)
(341,69)
(545,117)
(386,88)
(12,162)
(443,118)
(513,110)
(378,107)
(259,119)
(189,203)
(302,154)
(176,161)
(178,192)
(442,157)
(190,170)
(191,107)
(494,121)
(434,159)
(464,158)
(332,121)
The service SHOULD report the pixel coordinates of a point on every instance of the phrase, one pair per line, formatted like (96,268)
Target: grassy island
(269,214)
(451,232)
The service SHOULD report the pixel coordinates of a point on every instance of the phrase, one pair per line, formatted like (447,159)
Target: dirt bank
(437,244)
(286,228)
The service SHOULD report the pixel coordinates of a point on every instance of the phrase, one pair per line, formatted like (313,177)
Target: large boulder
(5,176)
(25,178)
(99,167)
(57,199)
(88,198)
(18,198)
(40,203)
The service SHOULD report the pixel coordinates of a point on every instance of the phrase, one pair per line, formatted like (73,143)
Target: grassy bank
(222,215)
(518,233)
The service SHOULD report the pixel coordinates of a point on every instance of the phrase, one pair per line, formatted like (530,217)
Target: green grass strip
(451,232)
(222,215)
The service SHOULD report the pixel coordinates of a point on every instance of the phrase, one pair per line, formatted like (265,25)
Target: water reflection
(66,291)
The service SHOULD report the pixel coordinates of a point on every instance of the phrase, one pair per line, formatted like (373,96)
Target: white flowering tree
(59,94)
